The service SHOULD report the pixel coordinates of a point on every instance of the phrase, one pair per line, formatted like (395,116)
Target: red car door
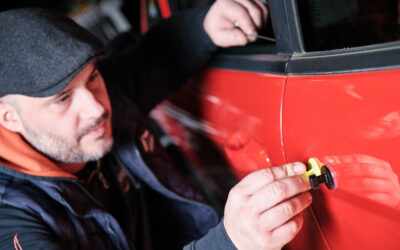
(342,105)
(352,122)
(329,89)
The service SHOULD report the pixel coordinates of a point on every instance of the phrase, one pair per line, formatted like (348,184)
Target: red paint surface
(235,103)
(349,121)
(241,113)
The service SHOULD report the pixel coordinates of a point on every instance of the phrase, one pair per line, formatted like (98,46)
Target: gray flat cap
(41,51)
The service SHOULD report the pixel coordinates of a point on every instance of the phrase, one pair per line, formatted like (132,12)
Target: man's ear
(9,118)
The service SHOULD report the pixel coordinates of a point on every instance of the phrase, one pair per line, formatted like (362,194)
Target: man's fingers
(263,8)
(254,181)
(293,169)
(274,193)
(240,17)
(263,201)
(283,212)
(227,16)
(230,38)
(255,11)
(287,231)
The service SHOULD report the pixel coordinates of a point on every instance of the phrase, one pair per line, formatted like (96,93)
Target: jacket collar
(18,155)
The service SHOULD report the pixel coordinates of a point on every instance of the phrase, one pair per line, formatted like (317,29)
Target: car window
(337,24)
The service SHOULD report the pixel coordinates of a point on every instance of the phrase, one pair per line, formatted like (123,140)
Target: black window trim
(382,56)
(261,63)
(285,23)
(293,60)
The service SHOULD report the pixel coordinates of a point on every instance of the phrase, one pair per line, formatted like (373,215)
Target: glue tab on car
(317,173)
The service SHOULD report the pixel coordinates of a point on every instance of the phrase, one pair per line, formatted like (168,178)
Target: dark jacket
(58,212)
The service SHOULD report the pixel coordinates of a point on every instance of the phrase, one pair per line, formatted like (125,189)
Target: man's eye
(62,99)
(92,77)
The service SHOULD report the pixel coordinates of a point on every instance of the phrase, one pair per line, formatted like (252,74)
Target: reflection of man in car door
(70,177)
(366,176)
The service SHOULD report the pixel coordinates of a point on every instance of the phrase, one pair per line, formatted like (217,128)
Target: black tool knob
(326,178)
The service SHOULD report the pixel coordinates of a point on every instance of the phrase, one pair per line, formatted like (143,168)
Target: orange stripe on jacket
(17,246)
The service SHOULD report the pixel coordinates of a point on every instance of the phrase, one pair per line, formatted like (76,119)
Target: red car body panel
(247,115)
(350,121)
(248,133)
(353,122)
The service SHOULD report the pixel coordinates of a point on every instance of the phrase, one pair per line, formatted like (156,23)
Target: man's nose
(91,107)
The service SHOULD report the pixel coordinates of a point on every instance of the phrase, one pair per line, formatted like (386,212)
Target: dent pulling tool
(257,36)
(318,174)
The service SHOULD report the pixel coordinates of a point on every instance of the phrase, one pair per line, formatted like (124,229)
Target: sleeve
(215,239)
(19,230)
(162,60)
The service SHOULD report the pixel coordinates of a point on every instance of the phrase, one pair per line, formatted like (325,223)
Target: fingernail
(299,168)
(251,38)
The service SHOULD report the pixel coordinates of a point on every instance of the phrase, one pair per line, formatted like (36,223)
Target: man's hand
(234,22)
(263,210)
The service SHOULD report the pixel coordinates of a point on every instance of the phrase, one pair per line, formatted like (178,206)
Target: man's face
(73,125)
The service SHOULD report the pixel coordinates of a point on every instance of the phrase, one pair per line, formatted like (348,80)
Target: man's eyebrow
(67,90)
(60,94)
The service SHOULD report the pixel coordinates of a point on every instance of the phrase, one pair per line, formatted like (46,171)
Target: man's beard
(64,149)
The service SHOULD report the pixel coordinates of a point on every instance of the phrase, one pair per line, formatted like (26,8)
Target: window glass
(336,24)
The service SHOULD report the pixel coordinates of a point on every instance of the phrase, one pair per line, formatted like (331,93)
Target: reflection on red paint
(245,154)
(341,114)
(365,176)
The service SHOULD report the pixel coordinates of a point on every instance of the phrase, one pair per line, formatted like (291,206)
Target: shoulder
(26,232)
(21,193)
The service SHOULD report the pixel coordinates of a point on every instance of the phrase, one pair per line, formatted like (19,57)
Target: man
(78,167)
